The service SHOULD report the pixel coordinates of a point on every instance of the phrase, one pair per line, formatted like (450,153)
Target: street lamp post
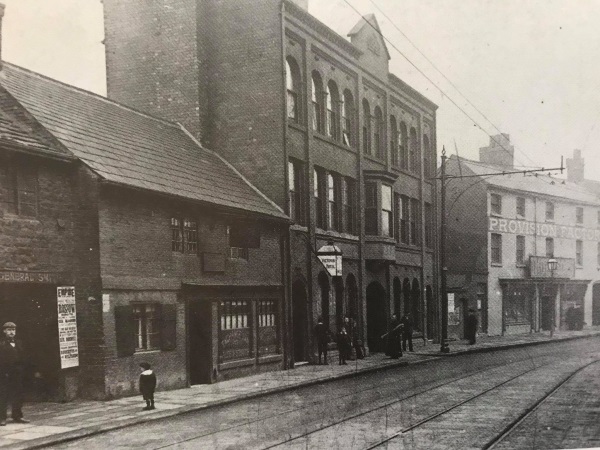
(552,266)
(444,310)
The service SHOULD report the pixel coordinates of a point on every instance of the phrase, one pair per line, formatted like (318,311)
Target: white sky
(531,66)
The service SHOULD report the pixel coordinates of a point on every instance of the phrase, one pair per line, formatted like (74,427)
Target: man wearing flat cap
(12,365)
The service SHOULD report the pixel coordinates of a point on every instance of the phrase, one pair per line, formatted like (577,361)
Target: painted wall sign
(67,327)
(523,227)
(14,276)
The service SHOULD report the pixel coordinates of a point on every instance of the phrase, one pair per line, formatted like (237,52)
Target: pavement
(52,423)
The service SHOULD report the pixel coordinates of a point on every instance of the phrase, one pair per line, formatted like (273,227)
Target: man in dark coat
(344,345)
(407,332)
(471,327)
(322,336)
(12,368)
(394,346)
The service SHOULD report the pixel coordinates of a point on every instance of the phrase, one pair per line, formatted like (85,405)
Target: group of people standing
(399,336)
(347,339)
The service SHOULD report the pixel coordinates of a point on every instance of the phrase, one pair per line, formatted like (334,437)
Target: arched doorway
(324,288)
(340,309)
(300,318)
(415,310)
(397,296)
(596,304)
(431,329)
(406,290)
(376,316)
(352,296)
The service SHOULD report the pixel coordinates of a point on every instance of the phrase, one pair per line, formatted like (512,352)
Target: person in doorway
(147,385)
(471,327)
(12,369)
(322,336)
(394,346)
(357,342)
(344,345)
(407,332)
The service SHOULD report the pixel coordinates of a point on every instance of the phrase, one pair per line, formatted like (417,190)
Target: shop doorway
(300,326)
(547,307)
(200,327)
(596,304)
(376,317)
(33,309)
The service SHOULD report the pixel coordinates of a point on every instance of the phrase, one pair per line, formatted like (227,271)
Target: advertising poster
(67,327)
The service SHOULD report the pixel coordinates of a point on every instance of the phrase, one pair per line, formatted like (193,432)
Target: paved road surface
(456,402)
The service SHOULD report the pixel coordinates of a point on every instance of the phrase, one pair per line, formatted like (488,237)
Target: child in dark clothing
(147,385)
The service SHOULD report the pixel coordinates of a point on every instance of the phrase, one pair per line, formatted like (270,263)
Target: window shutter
(124,329)
(168,331)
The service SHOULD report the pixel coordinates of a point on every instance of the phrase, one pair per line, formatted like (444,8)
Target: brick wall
(153,60)
(135,238)
(166,58)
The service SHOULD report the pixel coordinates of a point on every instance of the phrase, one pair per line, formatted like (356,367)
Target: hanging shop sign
(523,227)
(331,258)
(67,327)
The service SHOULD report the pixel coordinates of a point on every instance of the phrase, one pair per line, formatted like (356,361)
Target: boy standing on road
(12,368)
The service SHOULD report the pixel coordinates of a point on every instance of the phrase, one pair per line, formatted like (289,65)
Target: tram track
(405,398)
(507,430)
(533,408)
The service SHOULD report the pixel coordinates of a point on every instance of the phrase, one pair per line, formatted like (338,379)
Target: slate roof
(541,184)
(132,148)
(22,133)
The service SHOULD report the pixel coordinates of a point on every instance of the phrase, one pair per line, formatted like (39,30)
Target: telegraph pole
(444,338)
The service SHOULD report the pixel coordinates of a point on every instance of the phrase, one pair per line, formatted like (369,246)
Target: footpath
(52,423)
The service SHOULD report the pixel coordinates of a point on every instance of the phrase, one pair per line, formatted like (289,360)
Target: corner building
(502,232)
(319,124)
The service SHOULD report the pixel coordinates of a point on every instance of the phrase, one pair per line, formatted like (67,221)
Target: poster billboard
(67,327)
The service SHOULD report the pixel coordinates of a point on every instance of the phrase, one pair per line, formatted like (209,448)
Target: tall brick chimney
(2,6)
(499,152)
(575,167)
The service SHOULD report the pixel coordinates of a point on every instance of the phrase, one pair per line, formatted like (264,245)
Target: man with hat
(12,364)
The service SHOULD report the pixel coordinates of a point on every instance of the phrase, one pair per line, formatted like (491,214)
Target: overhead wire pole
(443,231)
(444,337)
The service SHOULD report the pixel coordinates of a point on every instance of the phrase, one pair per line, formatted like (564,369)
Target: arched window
(394,141)
(333,111)
(293,86)
(403,142)
(379,124)
(347,117)
(427,157)
(366,127)
(317,102)
(415,165)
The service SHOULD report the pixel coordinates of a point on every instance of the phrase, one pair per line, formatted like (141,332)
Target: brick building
(502,230)
(175,258)
(319,124)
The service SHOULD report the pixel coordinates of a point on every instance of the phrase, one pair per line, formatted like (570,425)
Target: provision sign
(523,227)
(67,327)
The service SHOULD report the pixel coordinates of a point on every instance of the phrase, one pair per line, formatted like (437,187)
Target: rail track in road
(506,431)
(376,410)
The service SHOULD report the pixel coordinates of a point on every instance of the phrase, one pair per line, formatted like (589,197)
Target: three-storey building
(319,124)
(504,230)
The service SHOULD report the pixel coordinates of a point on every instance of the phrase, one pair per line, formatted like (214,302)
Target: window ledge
(145,352)
(270,358)
(330,233)
(226,365)
(329,140)
(296,227)
(297,125)
(496,264)
(521,266)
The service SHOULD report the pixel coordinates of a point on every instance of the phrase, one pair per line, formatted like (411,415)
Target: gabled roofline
(88,93)
(320,27)
(366,20)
